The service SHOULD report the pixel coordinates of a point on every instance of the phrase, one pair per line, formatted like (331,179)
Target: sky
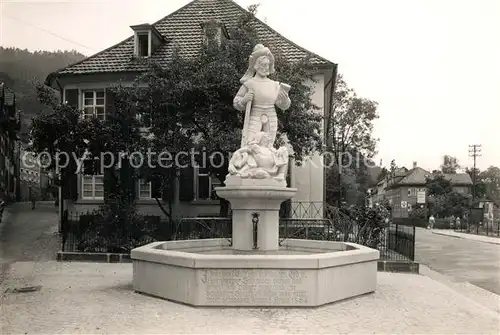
(433,66)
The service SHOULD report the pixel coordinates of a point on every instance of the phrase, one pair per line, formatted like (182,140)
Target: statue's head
(261,61)
(262,66)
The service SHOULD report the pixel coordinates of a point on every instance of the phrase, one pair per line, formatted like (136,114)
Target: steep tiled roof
(415,176)
(183,29)
(458,178)
(418,176)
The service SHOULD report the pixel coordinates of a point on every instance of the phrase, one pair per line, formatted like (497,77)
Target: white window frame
(140,184)
(93,197)
(211,184)
(136,44)
(94,102)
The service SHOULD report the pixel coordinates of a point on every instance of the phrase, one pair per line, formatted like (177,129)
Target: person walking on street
(431,222)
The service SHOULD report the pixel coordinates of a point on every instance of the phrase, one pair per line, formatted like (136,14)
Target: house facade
(10,125)
(34,180)
(406,189)
(84,85)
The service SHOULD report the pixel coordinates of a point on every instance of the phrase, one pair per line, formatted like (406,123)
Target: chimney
(214,31)
(414,165)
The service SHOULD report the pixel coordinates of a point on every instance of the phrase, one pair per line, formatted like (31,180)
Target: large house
(10,125)
(406,189)
(84,85)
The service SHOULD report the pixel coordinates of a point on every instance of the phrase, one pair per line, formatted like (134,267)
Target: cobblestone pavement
(463,259)
(89,298)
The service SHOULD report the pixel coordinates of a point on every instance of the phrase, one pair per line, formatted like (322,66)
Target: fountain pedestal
(252,198)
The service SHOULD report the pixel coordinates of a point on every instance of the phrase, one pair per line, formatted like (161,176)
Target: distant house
(84,85)
(406,189)
(33,179)
(10,125)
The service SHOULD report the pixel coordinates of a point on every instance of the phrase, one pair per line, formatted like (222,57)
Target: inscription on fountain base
(255,287)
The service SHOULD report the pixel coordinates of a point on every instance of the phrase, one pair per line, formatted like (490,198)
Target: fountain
(254,269)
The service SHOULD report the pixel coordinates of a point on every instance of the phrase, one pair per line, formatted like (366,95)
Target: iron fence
(93,232)
(489,228)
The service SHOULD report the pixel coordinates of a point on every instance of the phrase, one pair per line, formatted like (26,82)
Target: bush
(419,214)
(369,225)
(114,227)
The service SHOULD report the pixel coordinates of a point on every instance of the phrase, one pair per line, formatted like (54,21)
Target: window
(413,192)
(143,44)
(144,189)
(93,187)
(205,185)
(94,105)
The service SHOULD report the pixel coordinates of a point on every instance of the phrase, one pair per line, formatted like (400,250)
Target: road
(28,235)
(465,260)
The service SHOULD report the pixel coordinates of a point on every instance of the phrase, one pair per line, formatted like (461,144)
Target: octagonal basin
(208,272)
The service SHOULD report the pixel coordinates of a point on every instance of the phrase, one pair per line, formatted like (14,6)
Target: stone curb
(482,239)
(398,266)
(64,256)
(472,292)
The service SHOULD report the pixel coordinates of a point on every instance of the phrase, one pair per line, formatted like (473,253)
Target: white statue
(259,95)
(257,158)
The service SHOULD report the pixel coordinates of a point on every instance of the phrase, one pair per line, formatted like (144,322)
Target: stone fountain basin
(208,272)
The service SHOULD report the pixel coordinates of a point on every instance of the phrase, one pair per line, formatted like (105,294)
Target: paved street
(28,235)
(463,259)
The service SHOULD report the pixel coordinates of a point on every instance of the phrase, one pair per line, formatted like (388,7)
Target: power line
(474,151)
(48,32)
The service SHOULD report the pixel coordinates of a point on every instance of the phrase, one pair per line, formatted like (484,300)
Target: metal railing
(488,228)
(88,232)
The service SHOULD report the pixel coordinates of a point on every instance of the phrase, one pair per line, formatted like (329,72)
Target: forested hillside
(21,69)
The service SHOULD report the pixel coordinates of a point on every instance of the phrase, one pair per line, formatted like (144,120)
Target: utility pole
(474,151)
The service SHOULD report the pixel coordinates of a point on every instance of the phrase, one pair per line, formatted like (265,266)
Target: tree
(23,69)
(490,178)
(393,166)
(438,185)
(443,201)
(383,174)
(55,133)
(480,187)
(62,134)
(192,101)
(349,129)
(450,164)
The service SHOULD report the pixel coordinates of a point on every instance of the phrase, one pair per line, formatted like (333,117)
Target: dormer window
(214,32)
(143,44)
(146,40)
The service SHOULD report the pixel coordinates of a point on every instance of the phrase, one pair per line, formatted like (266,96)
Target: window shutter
(70,186)
(168,190)
(74,186)
(186,184)
(109,182)
(110,103)
(127,180)
(133,184)
(71,97)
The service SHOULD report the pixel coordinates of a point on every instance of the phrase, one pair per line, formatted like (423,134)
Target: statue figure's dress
(263,113)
